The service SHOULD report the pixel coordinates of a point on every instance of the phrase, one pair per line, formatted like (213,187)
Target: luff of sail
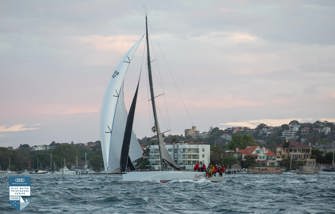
(114,116)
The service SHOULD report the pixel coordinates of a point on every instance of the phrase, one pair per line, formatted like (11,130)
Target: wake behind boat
(120,147)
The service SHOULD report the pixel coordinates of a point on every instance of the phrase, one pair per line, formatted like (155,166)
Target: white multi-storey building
(185,155)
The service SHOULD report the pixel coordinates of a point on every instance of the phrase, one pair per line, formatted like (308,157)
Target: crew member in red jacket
(196,167)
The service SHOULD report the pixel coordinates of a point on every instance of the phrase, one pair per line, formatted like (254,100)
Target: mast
(152,95)
(333,164)
(85,161)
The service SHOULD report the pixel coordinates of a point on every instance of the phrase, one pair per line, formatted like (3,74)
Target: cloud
(233,61)
(332,95)
(254,123)
(120,43)
(329,119)
(228,37)
(228,102)
(241,37)
(270,122)
(18,128)
(79,110)
(59,109)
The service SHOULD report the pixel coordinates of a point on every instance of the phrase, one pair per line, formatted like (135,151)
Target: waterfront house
(293,150)
(262,155)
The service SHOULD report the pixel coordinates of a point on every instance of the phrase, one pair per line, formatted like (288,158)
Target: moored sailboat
(309,167)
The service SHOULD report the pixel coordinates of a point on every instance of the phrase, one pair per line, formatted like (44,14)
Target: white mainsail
(114,116)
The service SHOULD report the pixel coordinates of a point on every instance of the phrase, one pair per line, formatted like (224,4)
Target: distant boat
(39,171)
(85,170)
(120,147)
(65,170)
(331,169)
(9,167)
(24,172)
(310,167)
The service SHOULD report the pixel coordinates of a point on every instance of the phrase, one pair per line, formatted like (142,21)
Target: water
(243,193)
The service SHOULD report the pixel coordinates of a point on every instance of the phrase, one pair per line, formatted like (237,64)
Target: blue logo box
(19,191)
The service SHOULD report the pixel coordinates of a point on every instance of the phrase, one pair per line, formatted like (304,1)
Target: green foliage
(285,163)
(321,157)
(248,162)
(5,158)
(317,154)
(217,152)
(142,163)
(96,162)
(229,160)
(241,141)
(214,135)
(25,157)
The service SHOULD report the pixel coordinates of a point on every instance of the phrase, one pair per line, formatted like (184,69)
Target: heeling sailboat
(118,152)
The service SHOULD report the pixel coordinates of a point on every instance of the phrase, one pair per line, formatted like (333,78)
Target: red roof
(270,153)
(248,150)
(297,145)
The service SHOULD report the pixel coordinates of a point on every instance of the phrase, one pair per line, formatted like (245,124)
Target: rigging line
(175,83)
(159,75)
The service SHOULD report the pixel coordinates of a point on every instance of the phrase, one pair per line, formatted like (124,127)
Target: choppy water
(244,193)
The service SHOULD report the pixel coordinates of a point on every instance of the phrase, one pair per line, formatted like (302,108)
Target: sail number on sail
(115,74)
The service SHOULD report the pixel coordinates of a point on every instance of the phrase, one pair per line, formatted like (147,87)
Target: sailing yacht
(119,144)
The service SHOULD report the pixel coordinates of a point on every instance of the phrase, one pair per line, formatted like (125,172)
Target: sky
(224,63)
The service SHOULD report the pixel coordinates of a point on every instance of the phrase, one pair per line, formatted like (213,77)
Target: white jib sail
(114,116)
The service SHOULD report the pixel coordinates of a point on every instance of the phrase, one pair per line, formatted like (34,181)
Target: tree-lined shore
(319,135)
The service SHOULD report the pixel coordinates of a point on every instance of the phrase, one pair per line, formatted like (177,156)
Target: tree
(248,162)
(241,141)
(96,162)
(285,127)
(214,135)
(229,160)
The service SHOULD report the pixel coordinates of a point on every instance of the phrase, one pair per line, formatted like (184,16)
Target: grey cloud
(288,68)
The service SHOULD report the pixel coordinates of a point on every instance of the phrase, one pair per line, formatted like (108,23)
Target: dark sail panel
(127,134)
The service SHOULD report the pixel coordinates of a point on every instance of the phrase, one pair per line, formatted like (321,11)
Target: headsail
(124,159)
(114,116)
